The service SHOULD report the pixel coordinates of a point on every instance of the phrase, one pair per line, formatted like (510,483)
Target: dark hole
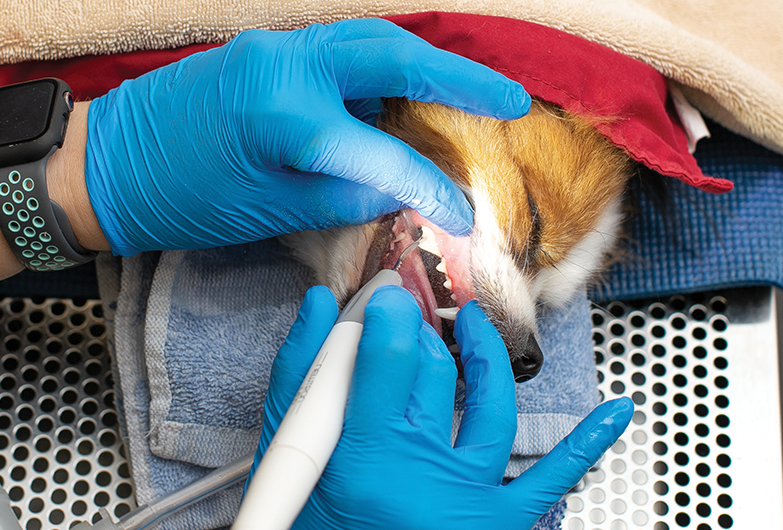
(661,508)
(724,480)
(702,450)
(637,340)
(660,448)
(681,459)
(65,436)
(83,467)
(74,357)
(38,485)
(721,382)
(49,385)
(723,440)
(722,420)
(67,416)
(43,444)
(724,500)
(45,424)
(56,516)
(54,346)
(679,342)
(79,508)
(659,428)
(40,465)
(30,374)
(723,460)
(34,335)
(660,468)
(81,487)
(637,321)
(638,359)
(725,521)
(55,328)
(60,476)
(87,427)
(719,324)
(658,350)
(699,352)
(699,333)
(720,344)
(680,419)
(703,470)
(617,368)
(23,433)
(618,387)
(680,400)
(617,348)
(75,338)
(77,319)
(63,456)
(702,430)
(682,499)
(18,473)
(701,410)
(661,488)
(659,408)
(658,331)
(597,318)
(703,509)
(682,478)
(700,390)
(21,453)
(103,479)
(681,438)
(683,519)
(101,498)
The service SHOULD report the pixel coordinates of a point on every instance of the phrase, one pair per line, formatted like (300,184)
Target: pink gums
(456,252)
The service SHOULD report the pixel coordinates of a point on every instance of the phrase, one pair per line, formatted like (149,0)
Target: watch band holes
(32,204)
(42,269)
(14,177)
(44,236)
(38,222)
(67,264)
(28,184)
(8,208)
(17,196)
(35,245)
(23,216)
(13,226)
(36,263)
(5,189)
(21,241)
(51,249)
(29,231)
(28,253)
(59,259)
(44,256)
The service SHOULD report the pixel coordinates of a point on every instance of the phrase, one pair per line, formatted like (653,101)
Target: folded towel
(196,333)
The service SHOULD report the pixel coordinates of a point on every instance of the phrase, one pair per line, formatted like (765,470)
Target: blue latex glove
(253,139)
(395,466)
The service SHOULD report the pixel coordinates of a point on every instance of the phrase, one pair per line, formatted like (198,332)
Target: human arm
(395,466)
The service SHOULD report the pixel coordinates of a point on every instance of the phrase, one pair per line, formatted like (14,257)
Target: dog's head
(546,191)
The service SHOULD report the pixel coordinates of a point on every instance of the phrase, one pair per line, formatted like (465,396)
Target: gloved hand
(253,139)
(394,466)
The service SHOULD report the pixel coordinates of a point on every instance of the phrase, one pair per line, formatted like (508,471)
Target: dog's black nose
(529,360)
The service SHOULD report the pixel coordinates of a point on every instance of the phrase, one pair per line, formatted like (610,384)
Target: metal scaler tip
(404,255)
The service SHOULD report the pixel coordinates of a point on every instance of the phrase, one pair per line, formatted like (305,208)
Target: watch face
(25,111)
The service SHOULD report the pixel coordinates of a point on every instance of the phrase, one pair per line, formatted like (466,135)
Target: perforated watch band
(36,228)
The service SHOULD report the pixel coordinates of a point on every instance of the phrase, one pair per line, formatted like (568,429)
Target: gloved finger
(412,68)
(489,422)
(357,152)
(317,315)
(551,477)
(431,406)
(386,363)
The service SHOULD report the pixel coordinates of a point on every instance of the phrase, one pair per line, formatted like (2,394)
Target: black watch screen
(33,118)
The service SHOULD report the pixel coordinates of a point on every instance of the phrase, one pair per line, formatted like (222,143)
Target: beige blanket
(727,55)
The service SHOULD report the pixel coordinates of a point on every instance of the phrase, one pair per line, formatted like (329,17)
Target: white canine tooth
(453,297)
(428,242)
(448,313)
(447,284)
(441,266)
(399,237)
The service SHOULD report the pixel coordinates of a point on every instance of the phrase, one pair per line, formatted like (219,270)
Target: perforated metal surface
(61,457)
(704,448)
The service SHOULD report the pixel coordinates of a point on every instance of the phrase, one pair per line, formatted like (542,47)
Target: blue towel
(196,333)
(700,241)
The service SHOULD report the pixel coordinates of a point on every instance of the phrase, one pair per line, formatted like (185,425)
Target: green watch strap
(36,228)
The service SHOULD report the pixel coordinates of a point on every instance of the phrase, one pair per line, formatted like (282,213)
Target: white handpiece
(307,436)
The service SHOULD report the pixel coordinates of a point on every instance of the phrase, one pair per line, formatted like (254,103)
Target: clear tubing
(146,515)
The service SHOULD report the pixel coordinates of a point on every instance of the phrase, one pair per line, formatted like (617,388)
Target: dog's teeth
(428,242)
(448,313)
(399,237)
(453,297)
(441,266)
(447,284)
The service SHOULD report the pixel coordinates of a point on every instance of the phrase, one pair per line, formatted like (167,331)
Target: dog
(547,193)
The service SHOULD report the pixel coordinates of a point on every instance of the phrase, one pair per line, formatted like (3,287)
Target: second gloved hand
(253,139)
(395,466)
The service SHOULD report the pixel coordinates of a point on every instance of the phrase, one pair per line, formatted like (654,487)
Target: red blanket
(628,98)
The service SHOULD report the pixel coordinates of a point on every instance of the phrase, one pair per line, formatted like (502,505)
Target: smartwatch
(33,120)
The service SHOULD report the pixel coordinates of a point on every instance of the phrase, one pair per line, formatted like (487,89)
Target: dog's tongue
(414,275)
(455,251)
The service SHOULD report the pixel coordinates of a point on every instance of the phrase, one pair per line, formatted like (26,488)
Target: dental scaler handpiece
(307,436)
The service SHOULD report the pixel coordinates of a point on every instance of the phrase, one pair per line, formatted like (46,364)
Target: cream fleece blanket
(727,56)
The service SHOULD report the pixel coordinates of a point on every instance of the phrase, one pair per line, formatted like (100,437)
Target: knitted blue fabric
(700,241)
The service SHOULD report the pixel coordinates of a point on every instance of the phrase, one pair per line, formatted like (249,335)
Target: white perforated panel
(704,448)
